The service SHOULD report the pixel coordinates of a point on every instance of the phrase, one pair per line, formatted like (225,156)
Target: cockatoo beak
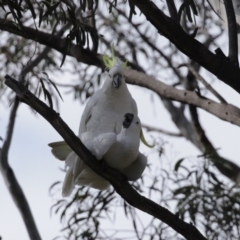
(117,80)
(144,140)
(128,118)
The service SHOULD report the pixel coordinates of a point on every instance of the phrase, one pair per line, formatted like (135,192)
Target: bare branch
(120,184)
(232,32)
(155,129)
(7,172)
(11,180)
(8,139)
(204,82)
(227,112)
(52,41)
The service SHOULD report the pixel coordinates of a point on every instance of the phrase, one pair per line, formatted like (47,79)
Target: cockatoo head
(133,123)
(116,74)
(131,127)
(116,69)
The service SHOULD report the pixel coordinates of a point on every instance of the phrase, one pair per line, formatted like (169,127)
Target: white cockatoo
(120,151)
(102,115)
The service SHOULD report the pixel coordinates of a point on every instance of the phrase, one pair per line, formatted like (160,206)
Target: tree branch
(227,112)
(120,184)
(204,82)
(12,182)
(52,41)
(172,9)
(6,170)
(232,32)
(196,51)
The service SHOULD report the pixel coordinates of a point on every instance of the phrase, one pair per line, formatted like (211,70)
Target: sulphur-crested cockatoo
(120,151)
(103,112)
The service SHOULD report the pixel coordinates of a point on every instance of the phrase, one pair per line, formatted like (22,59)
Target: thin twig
(155,129)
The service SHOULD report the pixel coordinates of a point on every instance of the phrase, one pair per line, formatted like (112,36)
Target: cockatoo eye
(137,122)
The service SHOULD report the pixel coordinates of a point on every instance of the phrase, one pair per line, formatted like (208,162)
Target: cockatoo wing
(100,144)
(60,149)
(86,116)
(89,178)
(134,171)
(76,166)
(68,183)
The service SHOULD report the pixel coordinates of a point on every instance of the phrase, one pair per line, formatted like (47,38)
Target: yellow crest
(110,62)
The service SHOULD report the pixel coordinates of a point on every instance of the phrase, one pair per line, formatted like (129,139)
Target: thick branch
(232,32)
(226,112)
(119,182)
(52,41)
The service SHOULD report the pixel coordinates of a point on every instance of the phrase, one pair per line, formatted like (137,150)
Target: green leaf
(193,7)
(178,163)
(53,84)
(31,8)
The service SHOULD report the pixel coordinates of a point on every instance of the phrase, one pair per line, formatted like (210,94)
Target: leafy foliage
(203,194)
